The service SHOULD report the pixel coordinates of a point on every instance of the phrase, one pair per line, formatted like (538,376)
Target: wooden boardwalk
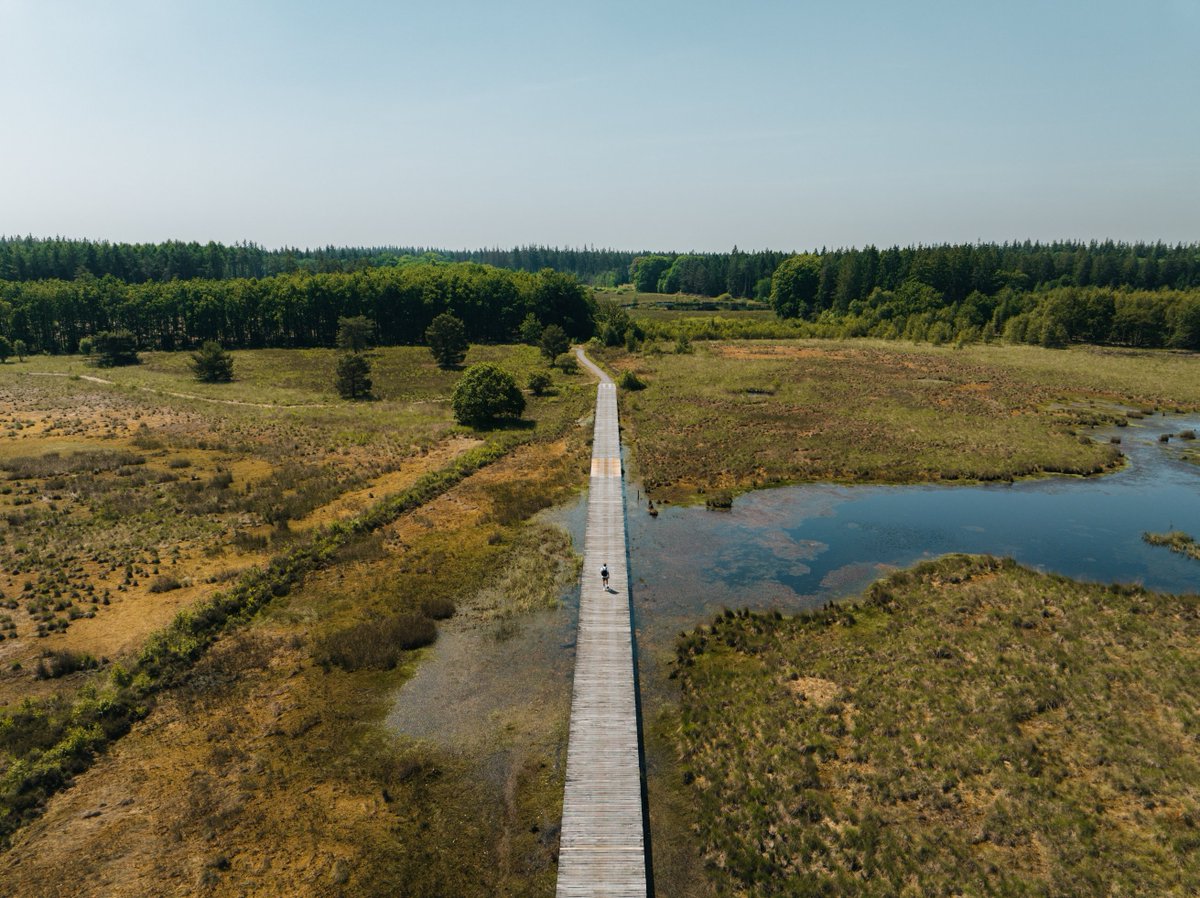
(602,849)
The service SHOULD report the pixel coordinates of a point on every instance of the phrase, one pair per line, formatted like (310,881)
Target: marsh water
(798,547)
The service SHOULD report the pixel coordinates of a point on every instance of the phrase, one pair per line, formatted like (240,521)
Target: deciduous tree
(554,342)
(794,286)
(485,393)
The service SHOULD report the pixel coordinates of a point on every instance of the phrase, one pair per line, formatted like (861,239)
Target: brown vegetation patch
(756,350)
(735,416)
(355,501)
(1009,730)
(815,690)
(267,774)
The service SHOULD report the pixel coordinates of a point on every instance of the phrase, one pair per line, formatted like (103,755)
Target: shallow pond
(796,548)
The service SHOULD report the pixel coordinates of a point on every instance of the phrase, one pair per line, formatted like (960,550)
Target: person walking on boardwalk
(604,575)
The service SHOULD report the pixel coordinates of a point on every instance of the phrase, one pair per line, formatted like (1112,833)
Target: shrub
(115,349)
(437,607)
(249,542)
(539,382)
(6,349)
(220,481)
(721,501)
(376,644)
(212,364)
(447,339)
(58,664)
(630,381)
(165,583)
(485,393)
(86,346)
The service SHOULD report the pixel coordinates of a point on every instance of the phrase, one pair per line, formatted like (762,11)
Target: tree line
(293,310)
(844,274)
(35,259)
(954,270)
(1051,317)
(926,306)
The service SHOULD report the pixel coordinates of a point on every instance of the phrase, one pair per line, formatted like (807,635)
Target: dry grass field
(741,415)
(260,764)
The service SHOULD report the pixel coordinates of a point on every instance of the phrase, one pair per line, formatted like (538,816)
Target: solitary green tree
(6,349)
(354,376)
(447,339)
(554,342)
(20,349)
(212,364)
(355,334)
(485,393)
(794,286)
(115,348)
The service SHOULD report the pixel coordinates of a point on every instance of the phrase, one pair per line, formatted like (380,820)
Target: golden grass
(735,416)
(267,774)
(970,727)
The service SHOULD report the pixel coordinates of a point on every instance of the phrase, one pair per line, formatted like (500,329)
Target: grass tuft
(967,727)
(376,644)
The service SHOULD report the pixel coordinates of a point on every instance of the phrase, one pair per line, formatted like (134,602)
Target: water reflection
(799,547)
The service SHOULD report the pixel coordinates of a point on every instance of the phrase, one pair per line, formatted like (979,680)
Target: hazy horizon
(671,126)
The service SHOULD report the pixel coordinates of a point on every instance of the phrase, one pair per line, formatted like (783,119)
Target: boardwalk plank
(602,849)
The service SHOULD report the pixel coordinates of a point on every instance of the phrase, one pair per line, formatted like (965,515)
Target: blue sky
(665,125)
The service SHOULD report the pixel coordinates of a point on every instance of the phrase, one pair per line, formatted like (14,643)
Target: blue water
(799,547)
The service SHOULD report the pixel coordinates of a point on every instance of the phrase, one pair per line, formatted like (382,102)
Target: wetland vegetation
(741,415)
(1176,541)
(966,727)
(390,524)
(211,590)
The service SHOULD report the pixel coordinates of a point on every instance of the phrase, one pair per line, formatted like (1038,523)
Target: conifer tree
(212,364)
(354,376)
